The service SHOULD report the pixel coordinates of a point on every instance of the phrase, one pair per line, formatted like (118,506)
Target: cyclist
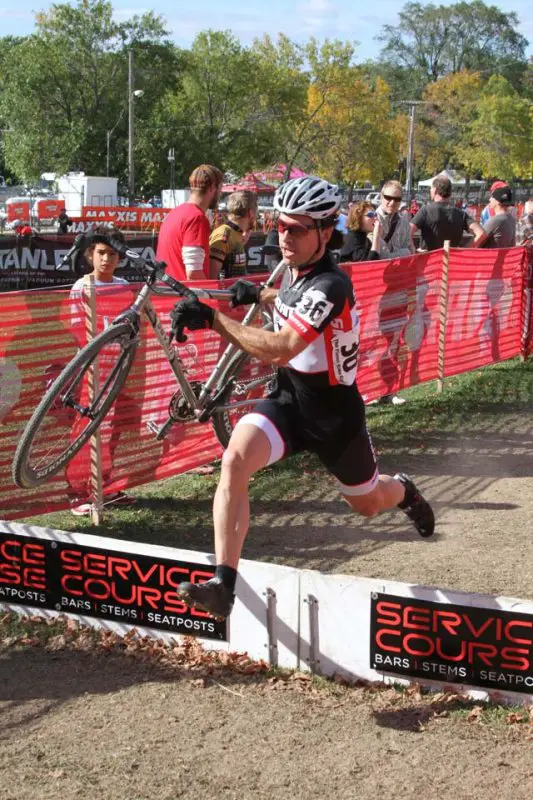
(316,405)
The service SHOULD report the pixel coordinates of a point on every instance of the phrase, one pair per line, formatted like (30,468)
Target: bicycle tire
(27,476)
(224,421)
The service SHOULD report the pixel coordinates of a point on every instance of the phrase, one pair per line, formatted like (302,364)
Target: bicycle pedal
(160,431)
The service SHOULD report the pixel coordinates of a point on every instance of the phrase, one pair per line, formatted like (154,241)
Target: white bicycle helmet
(313,197)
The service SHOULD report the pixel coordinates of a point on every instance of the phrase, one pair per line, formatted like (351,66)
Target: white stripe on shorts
(361,488)
(277,445)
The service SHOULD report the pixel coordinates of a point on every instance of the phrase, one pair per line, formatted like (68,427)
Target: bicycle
(221,399)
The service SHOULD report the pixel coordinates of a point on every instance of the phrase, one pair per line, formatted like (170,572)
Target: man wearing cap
(183,242)
(500,230)
(488,212)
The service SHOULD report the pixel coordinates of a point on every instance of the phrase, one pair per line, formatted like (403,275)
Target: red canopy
(277,173)
(250,182)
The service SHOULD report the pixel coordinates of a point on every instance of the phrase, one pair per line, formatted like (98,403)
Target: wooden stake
(89,298)
(443,312)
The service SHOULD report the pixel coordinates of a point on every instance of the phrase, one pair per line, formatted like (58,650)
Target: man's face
(105,260)
(299,239)
(390,199)
(252,218)
(213,205)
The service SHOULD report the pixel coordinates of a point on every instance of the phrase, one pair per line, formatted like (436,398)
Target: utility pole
(411,147)
(131,166)
(410,156)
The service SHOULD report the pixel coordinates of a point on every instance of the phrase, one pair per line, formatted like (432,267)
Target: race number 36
(314,307)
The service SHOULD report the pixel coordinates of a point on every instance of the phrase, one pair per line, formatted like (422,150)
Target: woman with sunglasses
(363,240)
(316,405)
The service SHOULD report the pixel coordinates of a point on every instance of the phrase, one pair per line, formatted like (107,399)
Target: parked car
(373,197)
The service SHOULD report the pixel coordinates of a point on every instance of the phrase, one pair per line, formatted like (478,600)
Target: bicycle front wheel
(65,418)
(250,380)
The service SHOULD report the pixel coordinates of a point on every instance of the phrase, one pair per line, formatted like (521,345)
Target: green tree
(7,46)
(431,41)
(67,85)
(308,77)
(444,134)
(361,140)
(502,133)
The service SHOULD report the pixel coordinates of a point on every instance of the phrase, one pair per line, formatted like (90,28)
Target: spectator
(342,221)
(414,207)
(104,261)
(63,222)
(227,255)
(525,227)
(488,212)
(395,227)
(271,250)
(500,229)
(363,240)
(439,221)
(183,242)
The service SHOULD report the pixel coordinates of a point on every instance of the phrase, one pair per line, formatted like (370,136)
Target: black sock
(227,576)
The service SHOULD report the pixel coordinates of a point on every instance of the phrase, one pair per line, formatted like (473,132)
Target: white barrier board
(332,624)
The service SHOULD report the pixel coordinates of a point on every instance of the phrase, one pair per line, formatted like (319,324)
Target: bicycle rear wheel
(64,420)
(250,381)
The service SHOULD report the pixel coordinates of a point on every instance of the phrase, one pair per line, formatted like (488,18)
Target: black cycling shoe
(211,596)
(416,507)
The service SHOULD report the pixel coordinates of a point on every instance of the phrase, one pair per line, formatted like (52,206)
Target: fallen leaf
(475,714)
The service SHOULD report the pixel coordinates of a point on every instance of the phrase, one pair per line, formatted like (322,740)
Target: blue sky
(298,19)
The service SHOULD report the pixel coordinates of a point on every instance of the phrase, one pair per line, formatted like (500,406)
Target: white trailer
(170,198)
(79,190)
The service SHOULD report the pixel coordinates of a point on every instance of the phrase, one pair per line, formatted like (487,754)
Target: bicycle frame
(143,304)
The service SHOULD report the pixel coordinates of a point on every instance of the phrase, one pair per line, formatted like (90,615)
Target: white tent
(455,178)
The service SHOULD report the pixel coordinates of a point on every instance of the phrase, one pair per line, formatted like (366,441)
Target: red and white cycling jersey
(320,305)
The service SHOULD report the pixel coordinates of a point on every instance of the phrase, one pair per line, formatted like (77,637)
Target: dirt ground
(85,724)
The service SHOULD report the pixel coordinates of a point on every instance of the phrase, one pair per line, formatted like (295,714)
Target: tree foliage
(450,110)
(360,137)
(68,80)
(431,41)
(502,132)
(64,97)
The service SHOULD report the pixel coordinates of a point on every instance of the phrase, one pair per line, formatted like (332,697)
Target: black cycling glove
(191,314)
(245,293)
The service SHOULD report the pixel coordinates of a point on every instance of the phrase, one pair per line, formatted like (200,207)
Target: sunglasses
(295,229)
(391,198)
(371,214)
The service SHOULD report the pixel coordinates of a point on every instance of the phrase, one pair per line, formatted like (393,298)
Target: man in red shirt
(183,242)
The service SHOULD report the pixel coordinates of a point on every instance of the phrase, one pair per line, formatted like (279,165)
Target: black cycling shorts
(349,456)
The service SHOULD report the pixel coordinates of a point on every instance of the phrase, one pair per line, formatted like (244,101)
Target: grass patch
(474,401)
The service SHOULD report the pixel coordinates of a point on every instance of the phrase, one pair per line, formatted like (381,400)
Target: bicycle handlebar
(156,271)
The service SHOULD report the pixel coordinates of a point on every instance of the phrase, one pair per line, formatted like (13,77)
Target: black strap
(393,226)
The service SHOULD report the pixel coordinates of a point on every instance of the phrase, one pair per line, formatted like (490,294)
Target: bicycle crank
(179,410)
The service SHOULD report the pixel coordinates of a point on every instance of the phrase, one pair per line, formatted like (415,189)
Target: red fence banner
(399,302)
(40,334)
(485,308)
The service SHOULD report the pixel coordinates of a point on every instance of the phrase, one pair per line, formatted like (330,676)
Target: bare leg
(387,494)
(248,451)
